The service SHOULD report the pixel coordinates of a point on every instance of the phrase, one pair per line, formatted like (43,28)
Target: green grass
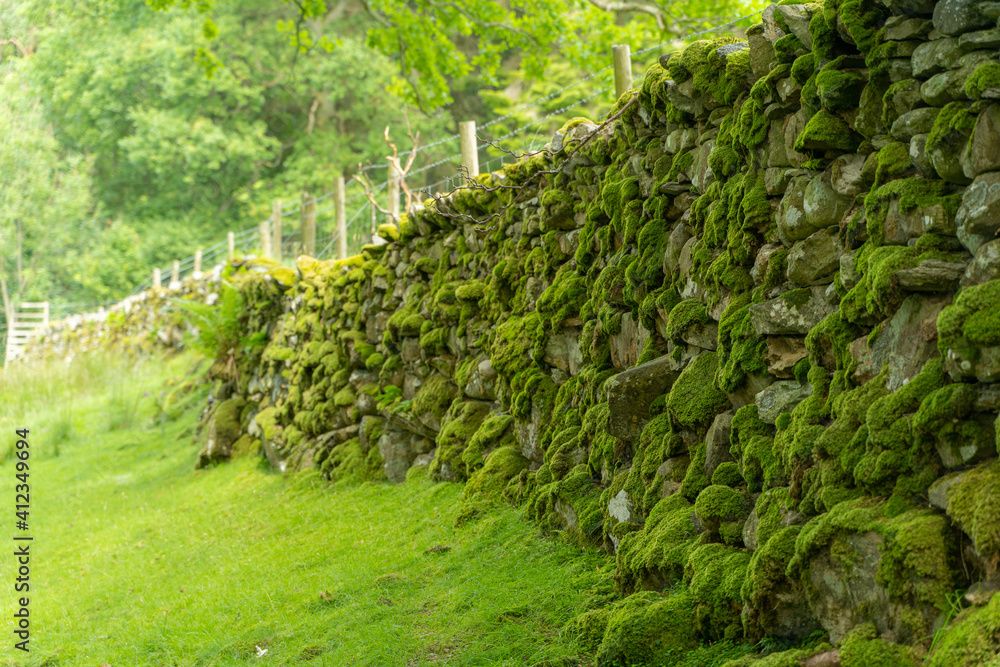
(139,560)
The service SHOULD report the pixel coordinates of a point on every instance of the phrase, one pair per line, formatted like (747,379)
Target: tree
(435,42)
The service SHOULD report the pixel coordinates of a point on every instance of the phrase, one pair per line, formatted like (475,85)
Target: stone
(791,215)
(935,56)
(783,352)
(788,91)
(911,123)
(937,494)
(683,102)
(954,17)
(776,180)
(792,313)
(985,266)
(932,275)
(813,261)
(779,398)
(901,98)
(675,243)
(627,344)
(910,7)
(846,177)
(981,592)
(793,127)
(774,146)
(702,176)
(631,392)
(577,132)
(980,39)
(825,659)
(562,350)
(717,442)
(797,19)
(868,121)
(918,155)
(983,151)
(898,28)
(943,88)
(901,227)
(849,276)
(674,468)
(528,432)
(978,217)
(909,339)
(761,54)
(822,204)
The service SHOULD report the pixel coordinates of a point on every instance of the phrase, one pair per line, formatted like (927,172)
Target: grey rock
(849,276)
(931,275)
(983,151)
(901,227)
(793,126)
(899,28)
(717,442)
(910,7)
(797,19)
(776,180)
(980,39)
(943,88)
(937,494)
(761,54)
(761,262)
(562,350)
(978,217)
(911,123)
(779,398)
(792,313)
(846,176)
(908,340)
(954,17)
(904,96)
(627,344)
(918,155)
(631,392)
(813,261)
(935,56)
(985,266)
(674,468)
(783,352)
(675,243)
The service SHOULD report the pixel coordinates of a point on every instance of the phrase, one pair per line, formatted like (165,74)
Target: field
(139,560)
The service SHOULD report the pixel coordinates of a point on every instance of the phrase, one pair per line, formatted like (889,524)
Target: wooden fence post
(340,215)
(470,154)
(393,189)
(276,243)
(175,274)
(622,56)
(197,263)
(308,213)
(265,239)
(157,281)
(231,246)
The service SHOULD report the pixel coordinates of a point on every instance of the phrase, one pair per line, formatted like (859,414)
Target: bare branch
(366,185)
(614,6)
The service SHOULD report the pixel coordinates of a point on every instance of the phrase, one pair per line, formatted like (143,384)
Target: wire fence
(362,217)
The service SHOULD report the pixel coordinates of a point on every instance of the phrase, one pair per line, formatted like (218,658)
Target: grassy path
(139,560)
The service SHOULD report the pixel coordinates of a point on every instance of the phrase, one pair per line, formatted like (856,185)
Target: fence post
(157,281)
(470,155)
(308,213)
(231,243)
(276,242)
(340,215)
(393,189)
(265,239)
(197,263)
(175,275)
(621,54)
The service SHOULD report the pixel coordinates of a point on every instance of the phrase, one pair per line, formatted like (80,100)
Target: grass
(140,560)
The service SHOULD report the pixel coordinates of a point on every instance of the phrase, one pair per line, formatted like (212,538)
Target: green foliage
(218,326)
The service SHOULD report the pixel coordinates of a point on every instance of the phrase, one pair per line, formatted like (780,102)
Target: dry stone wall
(745,336)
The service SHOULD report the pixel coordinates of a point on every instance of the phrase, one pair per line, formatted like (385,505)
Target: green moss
(827,131)
(766,581)
(715,574)
(803,68)
(728,474)
(971,639)
(460,423)
(751,444)
(344,398)
(863,19)
(648,629)
(694,400)
(968,324)
(491,481)
(974,504)
(434,397)
(495,431)
(717,505)
(686,315)
(862,648)
(788,48)
(374,361)
(986,77)
(588,628)
(839,90)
